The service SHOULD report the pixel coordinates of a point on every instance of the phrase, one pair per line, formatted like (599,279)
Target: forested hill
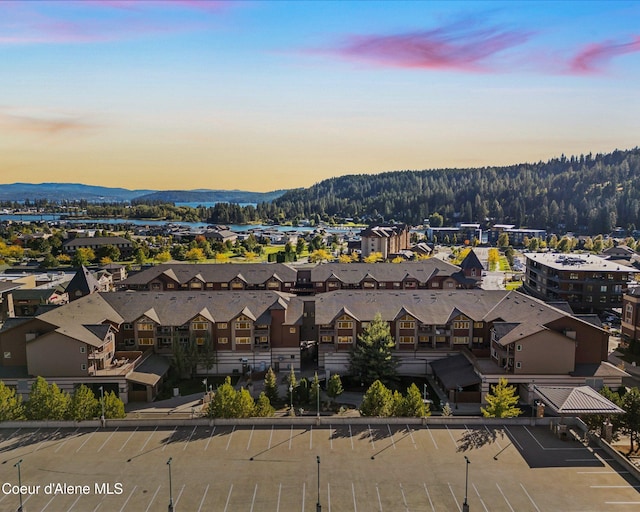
(593,192)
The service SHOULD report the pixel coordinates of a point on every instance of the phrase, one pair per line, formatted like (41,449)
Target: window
(573,275)
(83,349)
(406,339)
(83,367)
(145,341)
(144,326)
(441,339)
(223,340)
(519,348)
(603,299)
(222,326)
(196,286)
(224,285)
(129,342)
(326,339)
(603,288)
(610,277)
(628,313)
(460,340)
(478,339)
(243,325)
(273,285)
(435,284)
(345,325)
(478,325)
(407,325)
(236,285)
(199,341)
(200,326)
(518,365)
(292,330)
(170,286)
(7,355)
(127,327)
(345,339)
(243,340)
(460,325)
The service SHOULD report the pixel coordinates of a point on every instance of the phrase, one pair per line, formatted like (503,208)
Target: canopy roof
(576,400)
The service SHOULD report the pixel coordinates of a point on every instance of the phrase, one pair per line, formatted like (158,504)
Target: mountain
(58,192)
(578,193)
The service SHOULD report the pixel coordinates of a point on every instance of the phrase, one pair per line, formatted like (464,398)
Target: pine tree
(314,394)
(414,406)
(334,387)
(263,406)
(113,406)
(243,404)
(84,404)
(502,401)
(222,405)
(377,401)
(47,402)
(372,357)
(271,386)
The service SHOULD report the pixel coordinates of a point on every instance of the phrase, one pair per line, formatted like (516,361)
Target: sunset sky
(269,95)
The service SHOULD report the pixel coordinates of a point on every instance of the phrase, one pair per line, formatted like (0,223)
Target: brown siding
(546,353)
(56,355)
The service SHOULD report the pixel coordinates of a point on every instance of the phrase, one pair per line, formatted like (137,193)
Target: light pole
(102,404)
(318,506)
(291,395)
(317,382)
(205,386)
(465,505)
(170,509)
(17,465)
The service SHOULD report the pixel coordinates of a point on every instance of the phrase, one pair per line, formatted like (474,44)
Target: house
(27,302)
(586,282)
(386,239)
(84,282)
(630,324)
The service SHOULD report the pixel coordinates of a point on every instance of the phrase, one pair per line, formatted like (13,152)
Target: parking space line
(26,499)
(513,438)
(331,436)
(250,437)
(505,498)
(209,440)
(530,498)
(98,505)
(130,494)
(329,496)
(270,437)
(429,497)
(588,460)
(391,436)
(48,502)
(351,436)
(404,498)
(622,502)
(178,498)
(454,497)
(483,505)
(130,436)
(534,438)
(432,438)
(601,472)
(86,440)
(229,497)
(279,494)
(147,441)
(411,436)
(290,437)
(203,497)
(42,442)
(489,432)
(253,501)
(152,499)
(311,437)
(65,440)
(230,436)
(169,439)
(373,445)
(379,500)
(614,486)
(353,490)
(451,436)
(304,492)
(108,439)
(188,440)
(74,503)
(11,436)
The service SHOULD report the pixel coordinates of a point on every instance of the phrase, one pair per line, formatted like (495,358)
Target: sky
(267,95)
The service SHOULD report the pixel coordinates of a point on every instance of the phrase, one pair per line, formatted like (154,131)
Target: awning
(455,372)
(149,373)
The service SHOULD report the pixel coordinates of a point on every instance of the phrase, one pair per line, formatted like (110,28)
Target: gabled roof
(576,400)
(471,261)
(84,281)
(354,273)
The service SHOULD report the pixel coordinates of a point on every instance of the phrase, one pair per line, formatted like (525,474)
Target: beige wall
(56,355)
(13,341)
(545,352)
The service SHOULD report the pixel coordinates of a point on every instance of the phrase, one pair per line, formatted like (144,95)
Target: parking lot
(362,468)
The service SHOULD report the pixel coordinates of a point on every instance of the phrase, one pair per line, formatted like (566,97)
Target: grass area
(504,264)
(512,285)
(193,386)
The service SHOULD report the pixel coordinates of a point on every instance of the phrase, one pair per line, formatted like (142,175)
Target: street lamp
(205,386)
(318,506)
(102,404)
(170,509)
(291,395)
(17,465)
(465,505)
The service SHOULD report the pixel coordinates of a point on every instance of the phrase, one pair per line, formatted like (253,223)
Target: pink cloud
(445,48)
(592,58)
(42,122)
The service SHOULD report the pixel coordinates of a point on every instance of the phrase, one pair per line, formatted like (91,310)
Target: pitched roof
(471,261)
(84,281)
(576,400)
(353,273)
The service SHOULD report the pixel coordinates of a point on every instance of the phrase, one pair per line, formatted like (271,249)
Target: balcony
(121,364)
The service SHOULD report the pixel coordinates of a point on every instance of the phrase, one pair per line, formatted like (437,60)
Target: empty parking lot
(376,467)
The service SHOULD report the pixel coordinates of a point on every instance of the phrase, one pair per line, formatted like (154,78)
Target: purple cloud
(594,57)
(444,48)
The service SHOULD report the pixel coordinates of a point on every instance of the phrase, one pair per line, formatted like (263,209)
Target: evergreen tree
(414,406)
(314,393)
(446,410)
(264,408)
(292,384)
(334,386)
(113,406)
(243,404)
(271,386)
(502,401)
(372,357)
(11,406)
(84,404)
(377,401)
(223,403)
(631,418)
